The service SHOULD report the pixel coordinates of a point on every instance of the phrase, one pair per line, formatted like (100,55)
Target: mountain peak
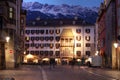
(46,11)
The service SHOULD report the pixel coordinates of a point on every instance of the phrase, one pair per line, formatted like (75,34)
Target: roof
(67,32)
(57,22)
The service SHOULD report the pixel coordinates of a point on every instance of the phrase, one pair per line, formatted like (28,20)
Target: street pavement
(36,72)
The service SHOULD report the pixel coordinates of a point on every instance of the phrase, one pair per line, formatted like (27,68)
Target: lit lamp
(29,56)
(7,38)
(115,45)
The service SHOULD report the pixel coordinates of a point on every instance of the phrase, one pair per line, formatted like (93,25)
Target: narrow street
(36,72)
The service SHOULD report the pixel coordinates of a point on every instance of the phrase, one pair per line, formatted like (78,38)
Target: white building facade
(61,42)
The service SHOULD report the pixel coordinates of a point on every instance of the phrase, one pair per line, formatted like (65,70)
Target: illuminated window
(11,12)
(51,31)
(78,38)
(42,45)
(87,38)
(27,38)
(57,45)
(51,45)
(57,31)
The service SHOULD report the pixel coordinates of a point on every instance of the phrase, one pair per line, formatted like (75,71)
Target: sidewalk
(115,74)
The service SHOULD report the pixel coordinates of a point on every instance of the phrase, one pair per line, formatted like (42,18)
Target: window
(57,38)
(51,45)
(37,38)
(88,53)
(36,52)
(87,44)
(41,52)
(46,53)
(37,31)
(46,31)
(57,53)
(37,45)
(32,31)
(32,38)
(51,38)
(78,38)
(78,31)
(22,21)
(42,31)
(32,44)
(27,31)
(41,38)
(87,30)
(78,44)
(27,38)
(57,31)
(46,38)
(78,53)
(51,53)
(42,45)
(27,45)
(51,31)
(11,12)
(57,45)
(87,38)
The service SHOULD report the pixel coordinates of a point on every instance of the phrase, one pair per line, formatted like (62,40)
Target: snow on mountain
(37,9)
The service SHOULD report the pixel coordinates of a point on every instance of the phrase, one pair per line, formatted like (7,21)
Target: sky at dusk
(84,3)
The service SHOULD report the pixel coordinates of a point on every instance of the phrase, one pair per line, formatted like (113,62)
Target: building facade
(110,19)
(63,42)
(101,32)
(10,30)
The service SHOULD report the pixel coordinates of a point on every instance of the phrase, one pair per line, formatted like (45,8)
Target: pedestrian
(79,63)
(52,63)
(73,62)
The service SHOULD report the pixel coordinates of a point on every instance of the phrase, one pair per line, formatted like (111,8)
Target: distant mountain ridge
(36,10)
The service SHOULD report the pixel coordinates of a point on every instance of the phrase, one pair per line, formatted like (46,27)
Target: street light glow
(115,45)
(7,38)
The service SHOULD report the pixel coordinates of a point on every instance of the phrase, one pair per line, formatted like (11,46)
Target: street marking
(44,75)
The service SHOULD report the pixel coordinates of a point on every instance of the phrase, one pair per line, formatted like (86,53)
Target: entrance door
(2,56)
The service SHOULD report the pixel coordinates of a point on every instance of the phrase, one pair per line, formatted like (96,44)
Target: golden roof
(67,33)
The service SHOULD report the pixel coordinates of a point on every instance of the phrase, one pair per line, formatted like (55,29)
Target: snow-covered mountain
(37,10)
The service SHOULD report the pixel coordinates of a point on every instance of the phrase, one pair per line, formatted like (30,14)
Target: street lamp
(116,45)
(7,39)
